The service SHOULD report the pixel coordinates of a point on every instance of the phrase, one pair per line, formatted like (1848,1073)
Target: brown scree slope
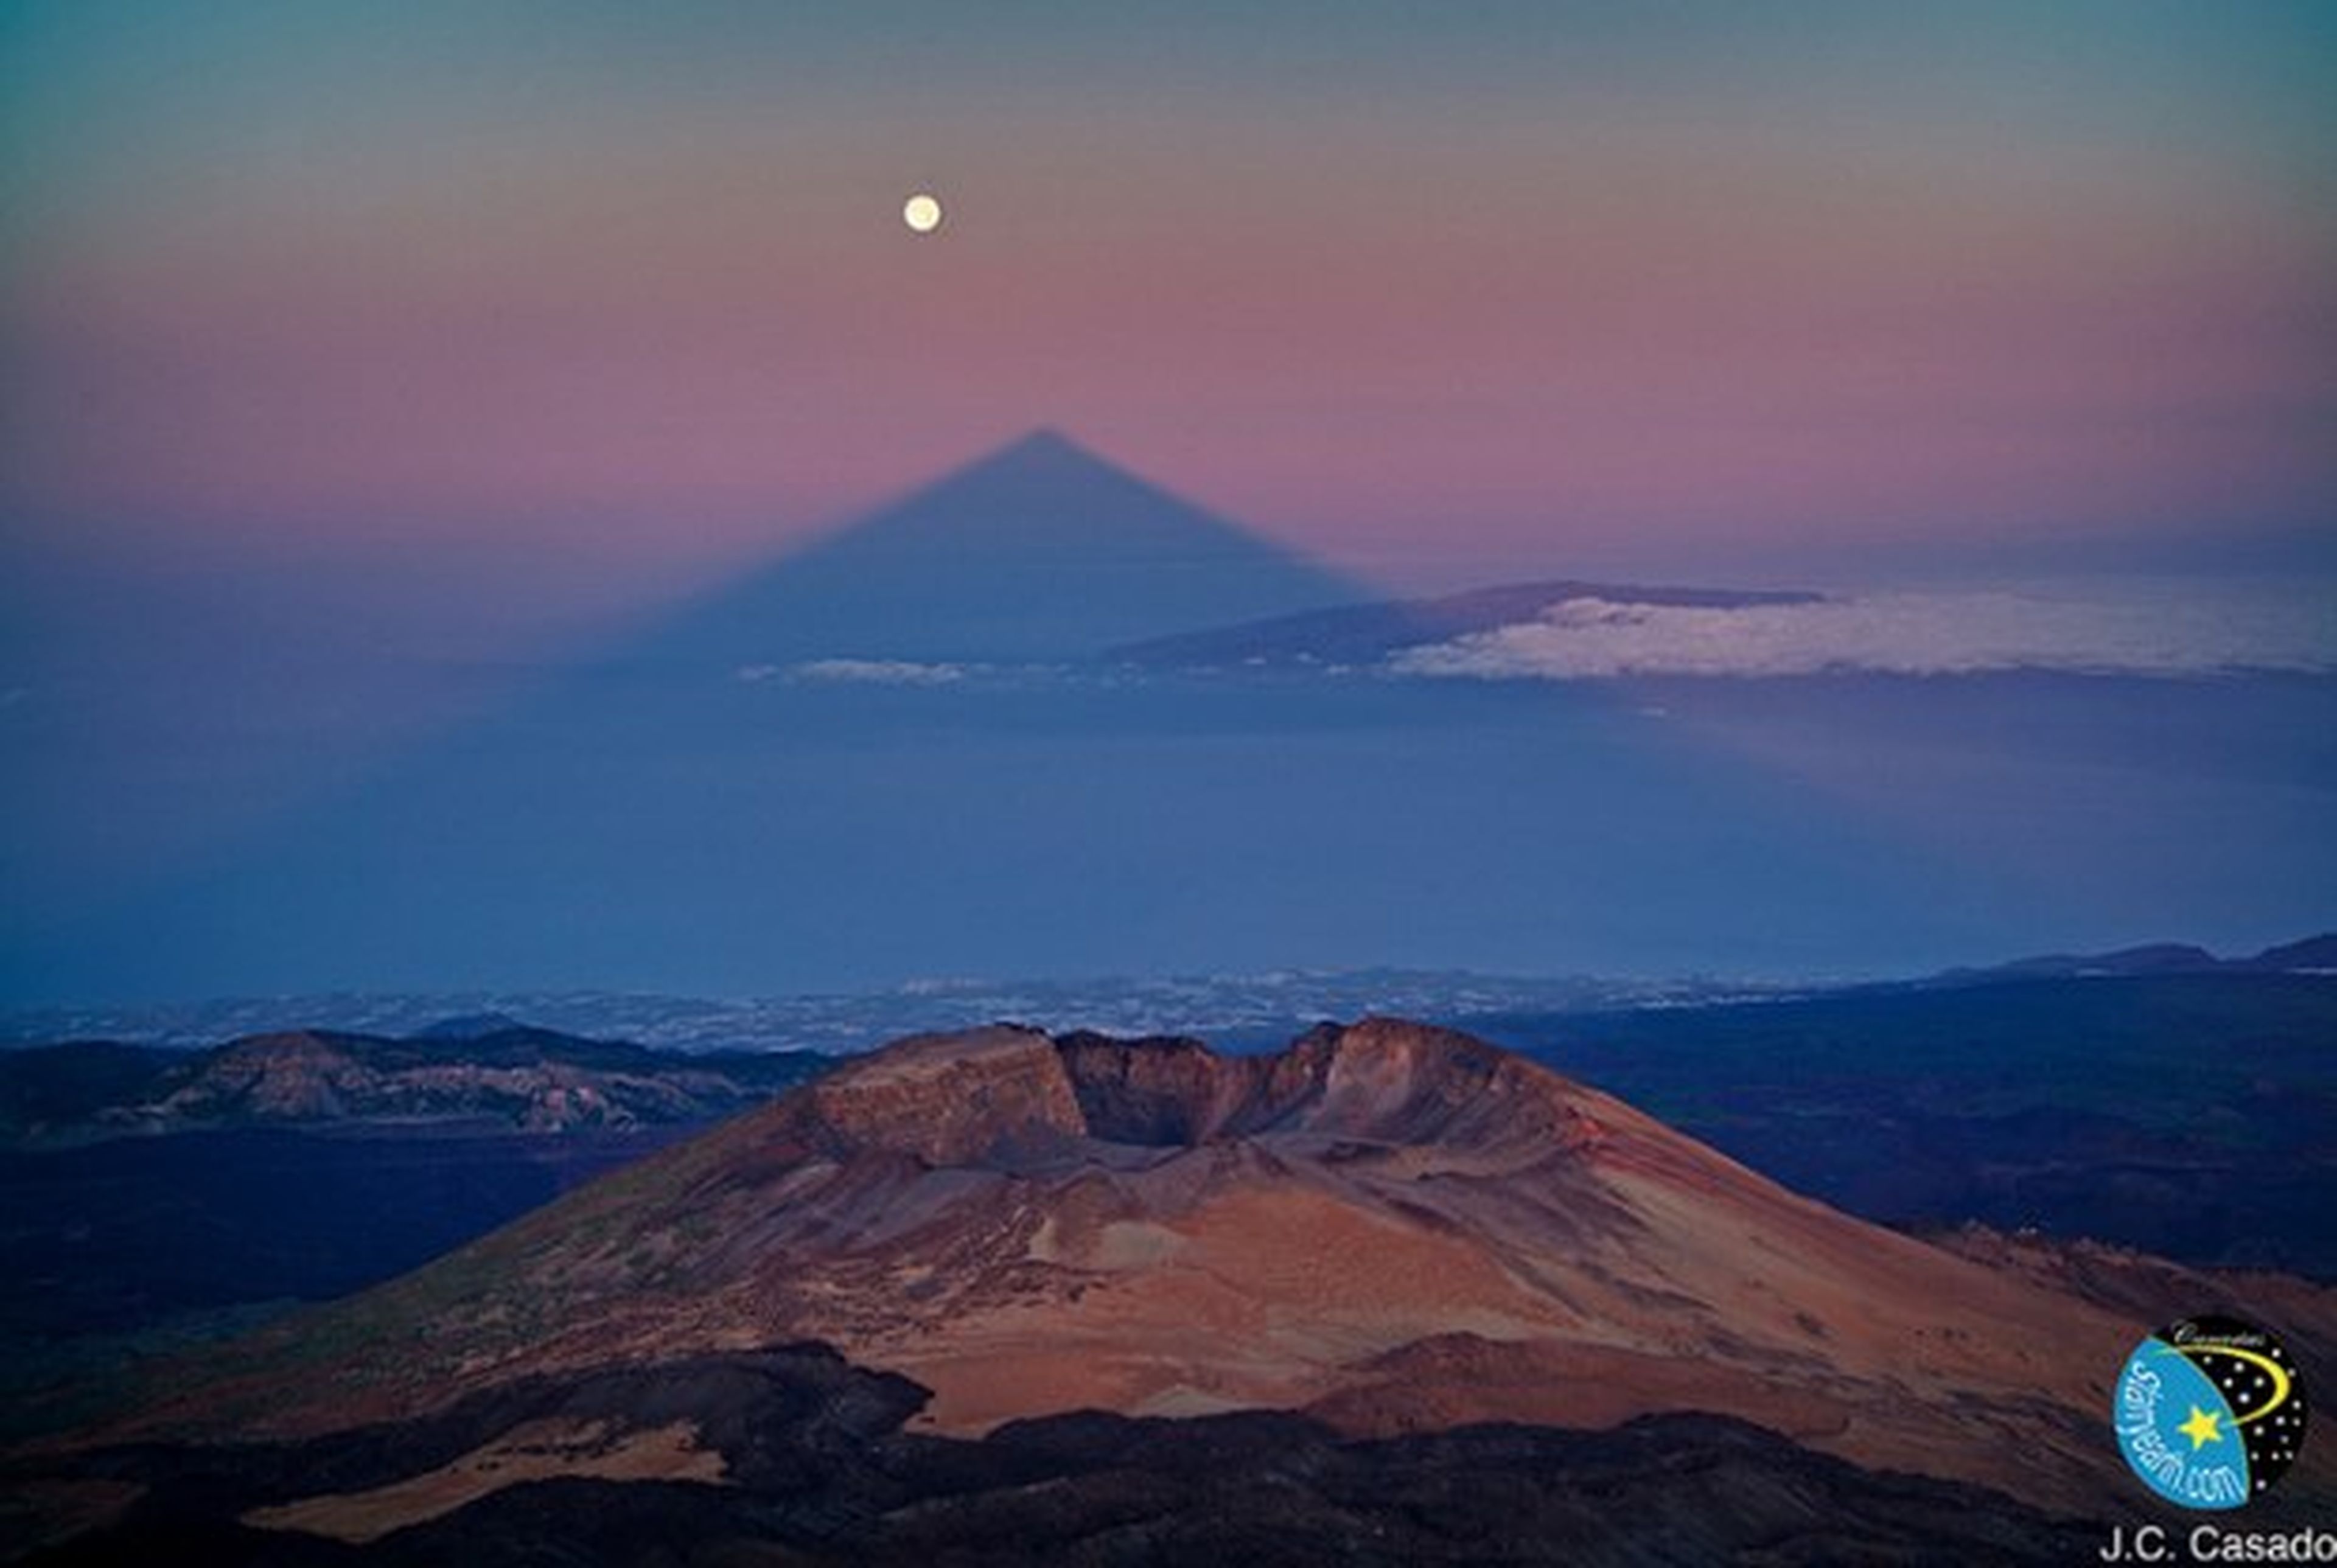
(1389,1225)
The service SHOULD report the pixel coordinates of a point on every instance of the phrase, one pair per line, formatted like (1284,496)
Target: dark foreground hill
(791,1455)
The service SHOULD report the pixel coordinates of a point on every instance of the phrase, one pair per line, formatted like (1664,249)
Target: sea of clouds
(857,672)
(2159,630)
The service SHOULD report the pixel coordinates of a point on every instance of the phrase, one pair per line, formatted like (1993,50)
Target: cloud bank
(858,672)
(2173,632)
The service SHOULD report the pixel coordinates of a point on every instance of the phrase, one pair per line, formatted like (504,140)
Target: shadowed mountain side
(1393,1226)
(2076,1103)
(792,1455)
(2151,1290)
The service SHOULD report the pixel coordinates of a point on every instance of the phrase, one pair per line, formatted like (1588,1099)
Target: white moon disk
(921,212)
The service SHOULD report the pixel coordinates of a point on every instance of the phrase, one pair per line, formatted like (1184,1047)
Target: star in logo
(2201,1429)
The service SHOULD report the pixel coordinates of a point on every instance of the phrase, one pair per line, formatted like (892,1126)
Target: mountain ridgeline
(1366,1286)
(504,1075)
(1363,635)
(305,1163)
(1386,1226)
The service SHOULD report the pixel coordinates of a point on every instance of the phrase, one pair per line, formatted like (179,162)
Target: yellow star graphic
(2201,1429)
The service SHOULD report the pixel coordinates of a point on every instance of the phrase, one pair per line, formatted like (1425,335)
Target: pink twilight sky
(1533,286)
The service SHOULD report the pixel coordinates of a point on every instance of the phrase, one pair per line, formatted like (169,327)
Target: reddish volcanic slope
(1389,1225)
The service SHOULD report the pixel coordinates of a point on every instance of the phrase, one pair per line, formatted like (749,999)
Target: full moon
(921,212)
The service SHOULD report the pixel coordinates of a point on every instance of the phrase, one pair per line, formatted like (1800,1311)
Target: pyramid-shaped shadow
(1041,551)
(900,753)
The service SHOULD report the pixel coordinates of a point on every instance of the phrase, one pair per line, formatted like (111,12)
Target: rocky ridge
(1392,1227)
(532,1079)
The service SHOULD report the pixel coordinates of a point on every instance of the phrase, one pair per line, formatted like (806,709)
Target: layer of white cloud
(2155,633)
(869,672)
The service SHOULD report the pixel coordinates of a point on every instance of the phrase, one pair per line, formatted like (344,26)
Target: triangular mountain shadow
(690,811)
(1040,551)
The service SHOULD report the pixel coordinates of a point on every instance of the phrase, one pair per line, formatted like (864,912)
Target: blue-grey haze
(898,754)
